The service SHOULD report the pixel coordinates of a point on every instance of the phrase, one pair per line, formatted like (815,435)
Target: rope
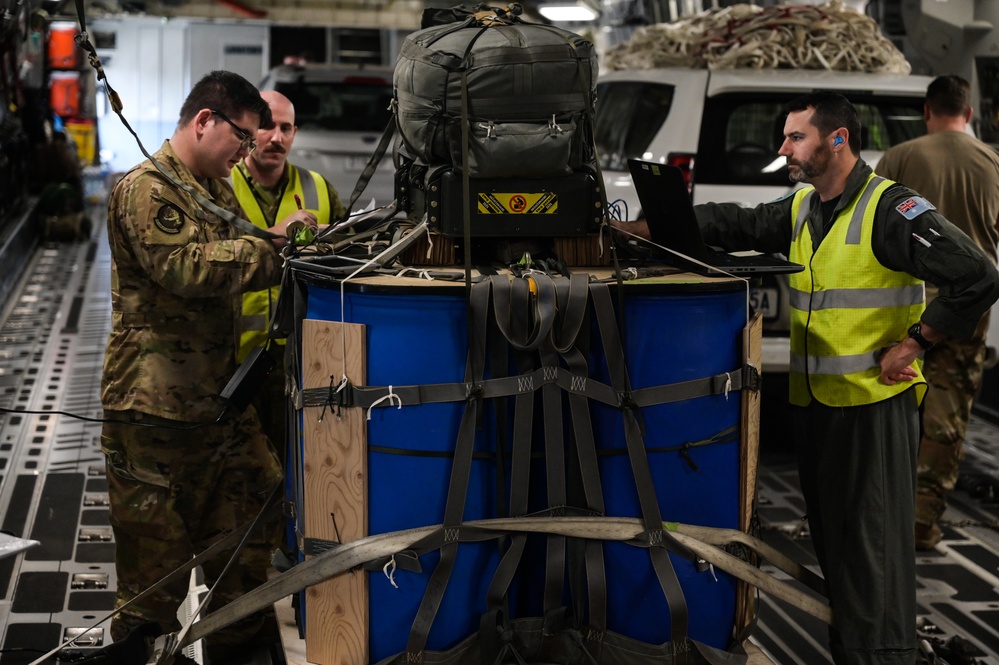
(830,36)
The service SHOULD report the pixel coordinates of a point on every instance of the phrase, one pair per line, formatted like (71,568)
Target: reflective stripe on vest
(257,305)
(846,306)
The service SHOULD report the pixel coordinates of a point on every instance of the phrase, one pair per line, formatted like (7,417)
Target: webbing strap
(743,378)
(369,168)
(554,455)
(571,339)
(512,320)
(454,509)
(651,516)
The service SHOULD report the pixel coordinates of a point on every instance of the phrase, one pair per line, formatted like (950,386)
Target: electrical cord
(114,420)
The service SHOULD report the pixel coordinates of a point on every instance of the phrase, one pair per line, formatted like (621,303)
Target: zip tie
(391,397)
(339,389)
(711,567)
(728,384)
(389,570)
(430,245)
(330,395)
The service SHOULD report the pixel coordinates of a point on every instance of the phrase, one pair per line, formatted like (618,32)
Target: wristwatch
(916,333)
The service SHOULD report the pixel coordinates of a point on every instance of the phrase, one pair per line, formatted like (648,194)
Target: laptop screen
(667,208)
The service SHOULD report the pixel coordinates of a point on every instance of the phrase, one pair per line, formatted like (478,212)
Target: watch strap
(916,333)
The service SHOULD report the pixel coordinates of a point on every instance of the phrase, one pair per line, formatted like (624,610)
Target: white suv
(341,112)
(724,127)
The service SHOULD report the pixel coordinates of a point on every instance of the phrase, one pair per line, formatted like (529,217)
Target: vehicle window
(741,134)
(629,114)
(346,106)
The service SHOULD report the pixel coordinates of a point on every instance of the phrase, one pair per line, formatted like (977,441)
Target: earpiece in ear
(837,141)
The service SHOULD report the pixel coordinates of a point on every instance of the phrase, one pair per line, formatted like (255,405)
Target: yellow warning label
(518,203)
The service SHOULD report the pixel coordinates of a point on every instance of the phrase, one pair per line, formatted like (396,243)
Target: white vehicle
(341,112)
(723,129)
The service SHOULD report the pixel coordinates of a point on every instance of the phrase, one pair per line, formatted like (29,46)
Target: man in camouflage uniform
(182,469)
(960,176)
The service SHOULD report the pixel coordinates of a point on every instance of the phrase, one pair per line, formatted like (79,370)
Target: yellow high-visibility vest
(258,305)
(846,307)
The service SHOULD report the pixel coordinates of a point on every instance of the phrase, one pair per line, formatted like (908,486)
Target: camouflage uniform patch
(169,219)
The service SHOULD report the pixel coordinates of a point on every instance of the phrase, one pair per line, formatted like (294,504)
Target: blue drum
(417,333)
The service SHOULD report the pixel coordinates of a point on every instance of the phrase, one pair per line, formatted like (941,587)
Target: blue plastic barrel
(673,337)
(674,332)
(417,336)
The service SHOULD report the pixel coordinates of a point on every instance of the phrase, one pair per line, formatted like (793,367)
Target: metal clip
(553,127)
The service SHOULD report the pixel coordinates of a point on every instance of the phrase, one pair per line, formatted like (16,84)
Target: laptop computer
(669,212)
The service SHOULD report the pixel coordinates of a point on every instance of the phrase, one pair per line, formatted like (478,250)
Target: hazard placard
(518,203)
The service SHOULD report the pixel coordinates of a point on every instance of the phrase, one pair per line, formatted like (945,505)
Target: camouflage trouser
(174,492)
(953,370)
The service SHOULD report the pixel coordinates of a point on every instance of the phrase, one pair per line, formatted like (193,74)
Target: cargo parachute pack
(503,108)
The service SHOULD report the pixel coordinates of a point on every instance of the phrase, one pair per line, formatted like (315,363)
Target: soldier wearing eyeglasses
(183,468)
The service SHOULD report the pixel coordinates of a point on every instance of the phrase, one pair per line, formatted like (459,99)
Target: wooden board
(745,606)
(335,479)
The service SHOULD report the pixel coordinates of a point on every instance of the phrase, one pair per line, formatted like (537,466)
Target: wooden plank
(335,483)
(745,606)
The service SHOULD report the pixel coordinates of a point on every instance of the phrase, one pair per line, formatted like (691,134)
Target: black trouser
(857,467)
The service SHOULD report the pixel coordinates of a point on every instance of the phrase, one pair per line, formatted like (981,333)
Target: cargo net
(830,36)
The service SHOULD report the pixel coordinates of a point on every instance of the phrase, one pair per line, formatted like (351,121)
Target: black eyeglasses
(247,143)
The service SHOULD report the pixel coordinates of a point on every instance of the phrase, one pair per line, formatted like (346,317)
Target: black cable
(114,420)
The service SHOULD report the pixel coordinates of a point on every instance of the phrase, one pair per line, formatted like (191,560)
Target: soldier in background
(269,188)
(182,468)
(960,176)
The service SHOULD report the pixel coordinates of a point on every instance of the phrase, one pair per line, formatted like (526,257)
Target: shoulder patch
(914,206)
(169,219)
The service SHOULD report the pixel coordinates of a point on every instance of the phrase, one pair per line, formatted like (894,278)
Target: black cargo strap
(571,339)
(478,305)
(369,168)
(337,396)
(513,332)
(588,121)
(542,318)
(659,539)
(554,431)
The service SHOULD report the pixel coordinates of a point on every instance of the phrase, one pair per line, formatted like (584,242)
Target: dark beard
(812,168)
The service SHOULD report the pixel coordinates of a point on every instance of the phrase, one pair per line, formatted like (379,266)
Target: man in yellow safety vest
(859,328)
(269,187)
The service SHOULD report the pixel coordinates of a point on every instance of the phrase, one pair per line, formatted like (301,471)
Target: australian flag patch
(914,206)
